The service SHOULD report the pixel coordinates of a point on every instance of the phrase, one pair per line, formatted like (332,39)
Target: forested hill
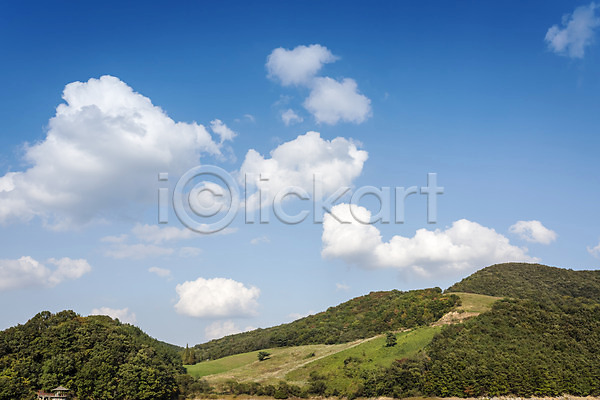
(96,357)
(531,281)
(361,317)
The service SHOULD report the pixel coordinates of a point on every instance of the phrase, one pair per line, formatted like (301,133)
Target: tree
(263,355)
(390,340)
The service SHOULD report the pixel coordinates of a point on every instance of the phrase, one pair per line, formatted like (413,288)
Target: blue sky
(499,99)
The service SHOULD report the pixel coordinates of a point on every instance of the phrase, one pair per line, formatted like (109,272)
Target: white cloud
(260,239)
(216,298)
(218,127)
(298,66)
(27,272)
(189,251)
(136,251)
(334,163)
(342,286)
(464,246)
(289,117)
(533,231)
(576,34)
(162,272)
(331,101)
(122,314)
(219,329)
(595,251)
(157,235)
(100,157)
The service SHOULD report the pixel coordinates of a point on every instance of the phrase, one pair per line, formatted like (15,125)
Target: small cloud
(342,286)
(594,251)
(114,239)
(331,101)
(28,272)
(218,127)
(219,329)
(137,251)
(298,66)
(122,314)
(289,117)
(162,272)
(250,117)
(189,252)
(157,235)
(577,32)
(216,298)
(533,231)
(260,239)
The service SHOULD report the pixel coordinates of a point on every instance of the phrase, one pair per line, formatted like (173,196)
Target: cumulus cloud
(100,156)
(299,65)
(122,314)
(289,117)
(331,101)
(342,286)
(533,231)
(464,246)
(334,163)
(218,127)
(594,251)
(219,329)
(216,298)
(577,32)
(162,272)
(28,272)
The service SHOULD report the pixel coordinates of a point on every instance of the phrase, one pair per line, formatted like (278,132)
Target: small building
(59,393)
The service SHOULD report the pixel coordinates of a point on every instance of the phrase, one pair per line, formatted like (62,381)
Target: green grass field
(477,303)
(337,362)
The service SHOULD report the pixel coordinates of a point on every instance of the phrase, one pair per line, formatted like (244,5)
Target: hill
(96,357)
(359,318)
(530,281)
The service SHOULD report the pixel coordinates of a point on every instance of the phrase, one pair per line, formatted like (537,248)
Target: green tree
(263,355)
(390,340)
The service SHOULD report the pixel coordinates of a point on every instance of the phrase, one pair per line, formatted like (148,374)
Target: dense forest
(96,357)
(531,281)
(359,318)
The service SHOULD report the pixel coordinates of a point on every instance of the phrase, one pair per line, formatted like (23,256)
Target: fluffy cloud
(162,272)
(576,34)
(122,314)
(464,246)
(595,251)
(298,66)
(27,272)
(219,329)
(533,231)
(331,101)
(216,298)
(289,117)
(334,163)
(100,157)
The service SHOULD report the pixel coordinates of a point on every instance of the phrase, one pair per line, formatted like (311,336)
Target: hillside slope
(359,318)
(530,281)
(96,357)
